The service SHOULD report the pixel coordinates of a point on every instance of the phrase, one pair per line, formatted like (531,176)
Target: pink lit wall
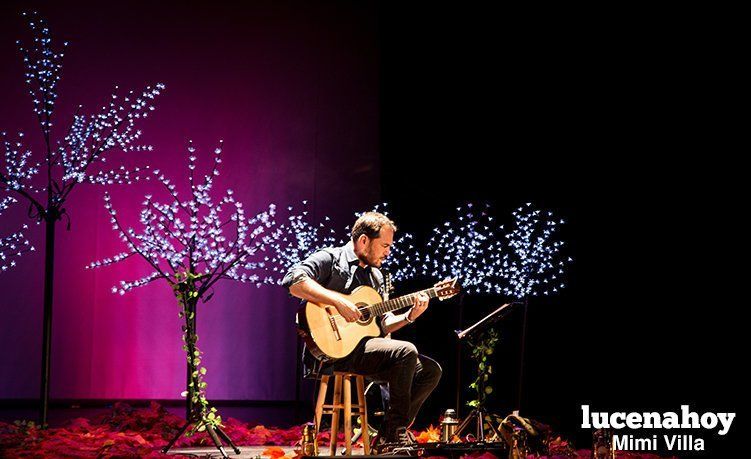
(293,91)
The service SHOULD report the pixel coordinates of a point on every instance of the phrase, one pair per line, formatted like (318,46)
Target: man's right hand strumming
(348,310)
(310,290)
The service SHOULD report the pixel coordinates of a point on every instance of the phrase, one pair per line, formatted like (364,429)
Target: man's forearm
(310,290)
(395,322)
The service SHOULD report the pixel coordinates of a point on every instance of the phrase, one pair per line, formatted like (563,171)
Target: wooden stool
(336,407)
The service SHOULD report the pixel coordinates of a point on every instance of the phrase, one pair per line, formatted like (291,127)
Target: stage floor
(245,451)
(125,431)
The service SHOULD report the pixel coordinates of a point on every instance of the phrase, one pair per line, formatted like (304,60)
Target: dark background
(625,123)
(628,128)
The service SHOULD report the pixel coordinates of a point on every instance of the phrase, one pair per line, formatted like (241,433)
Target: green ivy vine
(188,296)
(482,349)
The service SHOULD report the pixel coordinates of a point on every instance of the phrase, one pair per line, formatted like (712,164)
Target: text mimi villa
(684,420)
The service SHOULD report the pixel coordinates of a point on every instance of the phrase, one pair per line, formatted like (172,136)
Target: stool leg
(337,407)
(363,414)
(322,388)
(348,415)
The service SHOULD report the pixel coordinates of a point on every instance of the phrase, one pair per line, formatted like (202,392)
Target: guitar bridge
(334,327)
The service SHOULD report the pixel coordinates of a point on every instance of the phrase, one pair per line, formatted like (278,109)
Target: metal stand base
(478,414)
(214,433)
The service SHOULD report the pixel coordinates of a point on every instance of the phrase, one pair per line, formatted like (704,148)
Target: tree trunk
(49,275)
(189,306)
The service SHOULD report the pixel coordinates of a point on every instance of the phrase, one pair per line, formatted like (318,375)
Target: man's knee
(432,369)
(405,349)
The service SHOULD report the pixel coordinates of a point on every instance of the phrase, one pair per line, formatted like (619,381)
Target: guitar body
(328,335)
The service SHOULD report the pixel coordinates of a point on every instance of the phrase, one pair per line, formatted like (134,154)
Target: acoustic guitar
(329,336)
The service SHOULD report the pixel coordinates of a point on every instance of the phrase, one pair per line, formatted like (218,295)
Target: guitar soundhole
(365,312)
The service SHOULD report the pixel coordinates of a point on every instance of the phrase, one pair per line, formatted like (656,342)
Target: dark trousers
(411,376)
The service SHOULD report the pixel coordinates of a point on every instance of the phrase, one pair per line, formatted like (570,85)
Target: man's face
(372,252)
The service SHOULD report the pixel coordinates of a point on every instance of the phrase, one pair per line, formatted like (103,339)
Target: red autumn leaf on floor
(274,452)
(127,432)
(431,435)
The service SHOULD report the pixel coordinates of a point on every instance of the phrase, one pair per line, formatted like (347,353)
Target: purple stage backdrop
(293,91)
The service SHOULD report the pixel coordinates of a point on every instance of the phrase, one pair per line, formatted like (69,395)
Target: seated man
(325,274)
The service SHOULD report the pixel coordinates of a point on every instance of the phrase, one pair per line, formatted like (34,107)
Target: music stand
(479,412)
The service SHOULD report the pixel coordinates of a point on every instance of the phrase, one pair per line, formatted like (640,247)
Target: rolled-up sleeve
(317,267)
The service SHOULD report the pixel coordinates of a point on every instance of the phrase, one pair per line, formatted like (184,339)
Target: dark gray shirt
(337,269)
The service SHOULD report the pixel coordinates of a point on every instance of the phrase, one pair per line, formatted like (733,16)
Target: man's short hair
(370,224)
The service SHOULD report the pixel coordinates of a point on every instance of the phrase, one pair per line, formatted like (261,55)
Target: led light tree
(75,157)
(192,244)
(522,262)
(534,264)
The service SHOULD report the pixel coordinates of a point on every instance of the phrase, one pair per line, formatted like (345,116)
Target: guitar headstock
(445,289)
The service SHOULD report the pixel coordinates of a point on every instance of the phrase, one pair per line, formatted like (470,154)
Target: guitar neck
(382,308)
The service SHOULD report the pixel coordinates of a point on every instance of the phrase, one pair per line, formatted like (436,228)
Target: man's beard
(364,258)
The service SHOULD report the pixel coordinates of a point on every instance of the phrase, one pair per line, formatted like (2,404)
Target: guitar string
(434,291)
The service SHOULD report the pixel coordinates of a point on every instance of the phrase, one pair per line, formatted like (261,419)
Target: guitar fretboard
(382,308)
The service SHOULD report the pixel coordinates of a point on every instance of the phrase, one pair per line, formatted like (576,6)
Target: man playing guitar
(325,277)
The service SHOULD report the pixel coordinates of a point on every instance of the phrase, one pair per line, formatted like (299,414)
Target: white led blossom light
(534,265)
(208,238)
(465,247)
(71,160)
(521,262)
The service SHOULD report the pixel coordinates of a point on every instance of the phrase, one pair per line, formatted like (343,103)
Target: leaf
(274,452)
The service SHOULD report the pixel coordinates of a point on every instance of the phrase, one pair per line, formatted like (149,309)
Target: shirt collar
(349,252)
(351,256)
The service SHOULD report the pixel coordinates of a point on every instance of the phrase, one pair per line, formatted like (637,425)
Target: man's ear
(363,239)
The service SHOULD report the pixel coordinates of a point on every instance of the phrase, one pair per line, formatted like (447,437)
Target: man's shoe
(404,437)
(400,439)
